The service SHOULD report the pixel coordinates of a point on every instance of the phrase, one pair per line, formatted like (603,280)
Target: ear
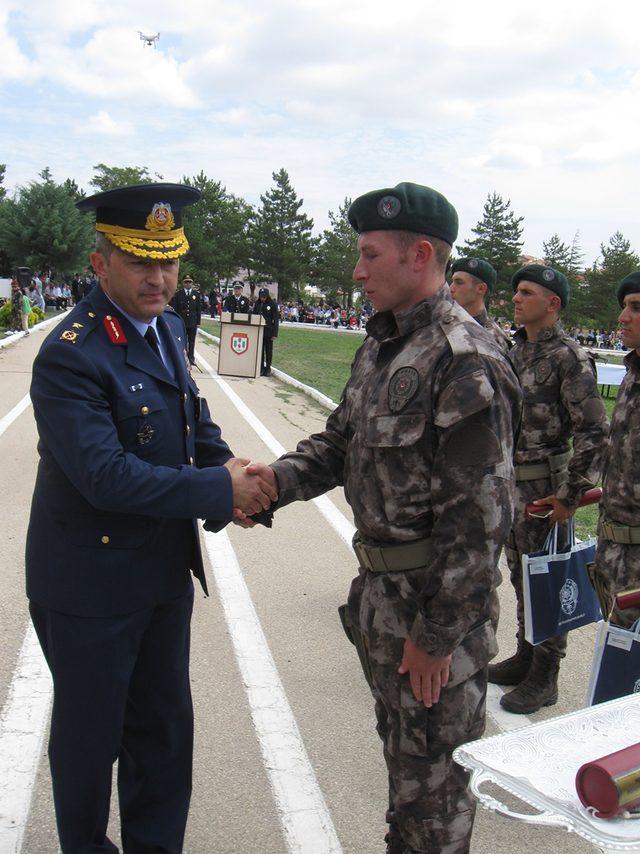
(555,304)
(483,289)
(99,264)
(423,252)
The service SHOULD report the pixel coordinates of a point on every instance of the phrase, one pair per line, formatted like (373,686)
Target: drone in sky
(149,40)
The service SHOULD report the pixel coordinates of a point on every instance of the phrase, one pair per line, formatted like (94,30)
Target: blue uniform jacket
(129,458)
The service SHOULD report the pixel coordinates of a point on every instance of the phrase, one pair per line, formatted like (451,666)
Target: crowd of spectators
(326,314)
(46,291)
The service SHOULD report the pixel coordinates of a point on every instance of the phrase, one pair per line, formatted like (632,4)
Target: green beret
(406,207)
(478,268)
(629,285)
(552,280)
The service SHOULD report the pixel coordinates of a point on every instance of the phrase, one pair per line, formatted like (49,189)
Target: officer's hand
(252,492)
(267,474)
(560,511)
(428,674)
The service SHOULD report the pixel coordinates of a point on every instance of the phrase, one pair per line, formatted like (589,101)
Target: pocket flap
(392,431)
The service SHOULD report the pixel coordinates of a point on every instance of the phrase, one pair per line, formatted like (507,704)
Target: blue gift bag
(615,671)
(558,595)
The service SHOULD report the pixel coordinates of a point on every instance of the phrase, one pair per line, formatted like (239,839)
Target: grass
(323,361)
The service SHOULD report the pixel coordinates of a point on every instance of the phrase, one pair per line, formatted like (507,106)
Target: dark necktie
(152,340)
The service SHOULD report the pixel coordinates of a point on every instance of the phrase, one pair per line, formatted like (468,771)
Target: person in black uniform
(189,306)
(129,458)
(269,310)
(237,302)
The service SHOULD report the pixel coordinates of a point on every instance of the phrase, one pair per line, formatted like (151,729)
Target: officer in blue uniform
(129,458)
(187,302)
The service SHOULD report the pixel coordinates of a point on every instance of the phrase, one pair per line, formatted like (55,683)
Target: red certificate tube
(611,785)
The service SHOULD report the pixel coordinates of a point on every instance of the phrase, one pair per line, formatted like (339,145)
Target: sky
(539,102)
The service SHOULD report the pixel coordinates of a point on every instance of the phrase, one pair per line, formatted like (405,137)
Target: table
(538,765)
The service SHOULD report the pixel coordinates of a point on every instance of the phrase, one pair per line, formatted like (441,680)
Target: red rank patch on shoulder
(114,330)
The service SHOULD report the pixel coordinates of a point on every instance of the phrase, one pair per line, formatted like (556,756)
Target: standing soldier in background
(269,311)
(561,404)
(236,302)
(16,305)
(471,280)
(188,305)
(618,553)
(422,441)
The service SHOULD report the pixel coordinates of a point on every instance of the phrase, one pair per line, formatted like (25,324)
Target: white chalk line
(307,823)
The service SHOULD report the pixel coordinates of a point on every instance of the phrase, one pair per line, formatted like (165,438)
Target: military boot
(539,688)
(513,670)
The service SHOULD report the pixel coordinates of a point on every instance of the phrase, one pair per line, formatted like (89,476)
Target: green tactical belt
(622,534)
(392,558)
(555,464)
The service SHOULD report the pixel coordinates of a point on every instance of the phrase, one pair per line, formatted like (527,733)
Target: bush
(35,316)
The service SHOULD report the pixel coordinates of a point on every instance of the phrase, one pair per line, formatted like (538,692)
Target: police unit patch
(543,371)
(389,207)
(239,343)
(402,387)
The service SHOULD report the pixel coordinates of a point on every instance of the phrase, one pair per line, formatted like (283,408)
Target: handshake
(255,489)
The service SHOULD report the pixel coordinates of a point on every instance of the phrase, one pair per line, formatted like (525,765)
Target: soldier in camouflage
(422,442)
(618,553)
(561,404)
(471,280)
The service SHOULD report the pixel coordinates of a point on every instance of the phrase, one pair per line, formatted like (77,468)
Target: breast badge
(402,387)
(543,371)
(145,434)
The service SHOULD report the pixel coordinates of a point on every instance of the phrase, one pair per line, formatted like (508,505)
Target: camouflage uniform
(620,504)
(561,402)
(422,441)
(501,338)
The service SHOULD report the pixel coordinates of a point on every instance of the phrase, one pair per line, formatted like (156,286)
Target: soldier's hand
(242,520)
(560,511)
(267,474)
(428,674)
(252,492)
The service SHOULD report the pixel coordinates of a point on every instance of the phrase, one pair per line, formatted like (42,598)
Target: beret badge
(473,263)
(389,207)
(548,275)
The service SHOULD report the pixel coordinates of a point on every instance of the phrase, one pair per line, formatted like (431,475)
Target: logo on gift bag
(239,343)
(569,597)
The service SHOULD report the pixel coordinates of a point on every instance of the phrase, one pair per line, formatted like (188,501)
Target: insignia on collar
(114,330)
(69,335)
(402,387)
(160,218)
(77,325)
(389,207)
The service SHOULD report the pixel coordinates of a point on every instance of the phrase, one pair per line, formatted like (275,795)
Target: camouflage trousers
(430,806)
(620,565)
(526,536)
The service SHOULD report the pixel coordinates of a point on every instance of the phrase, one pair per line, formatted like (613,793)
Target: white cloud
(103,125)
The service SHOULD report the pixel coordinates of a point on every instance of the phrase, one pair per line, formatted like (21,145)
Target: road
(286,757)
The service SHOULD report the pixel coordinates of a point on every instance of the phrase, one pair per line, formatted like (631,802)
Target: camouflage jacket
(422,441)
(561,403)
(502,339)
(621,492)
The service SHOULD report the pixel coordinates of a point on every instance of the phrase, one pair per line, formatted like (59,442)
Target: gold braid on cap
(172,244)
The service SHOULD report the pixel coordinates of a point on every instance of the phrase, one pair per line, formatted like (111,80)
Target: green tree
(498,239)
(5,263)
(42,229)
(280,238)
(556,254)
(114,177)
(335,257)
(568,259)
(600,307)
(73,189)
(217,231)
(3,169)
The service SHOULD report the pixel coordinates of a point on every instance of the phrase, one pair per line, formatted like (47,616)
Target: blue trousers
(121,691)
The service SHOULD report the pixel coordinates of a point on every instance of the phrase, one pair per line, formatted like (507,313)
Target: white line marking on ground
(22,728)
(44,324)
(306,820)
(338,521)
(504,720)
(11,416)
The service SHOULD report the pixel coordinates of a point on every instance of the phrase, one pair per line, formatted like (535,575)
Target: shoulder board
(170,309)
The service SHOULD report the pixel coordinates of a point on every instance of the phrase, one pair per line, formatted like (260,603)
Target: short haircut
(441,250)
(103,246)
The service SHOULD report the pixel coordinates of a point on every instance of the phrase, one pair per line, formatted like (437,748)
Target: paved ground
(296,575)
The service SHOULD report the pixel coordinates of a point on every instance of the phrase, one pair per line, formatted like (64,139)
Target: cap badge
(160,218)
(548,275)
(473,263)
(389,207)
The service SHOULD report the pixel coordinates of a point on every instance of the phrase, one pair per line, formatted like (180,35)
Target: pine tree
(280,238)
(498,240)
(556,254)
(600,304)
(335,257)
(217,231)
(5,263)
(42,229)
